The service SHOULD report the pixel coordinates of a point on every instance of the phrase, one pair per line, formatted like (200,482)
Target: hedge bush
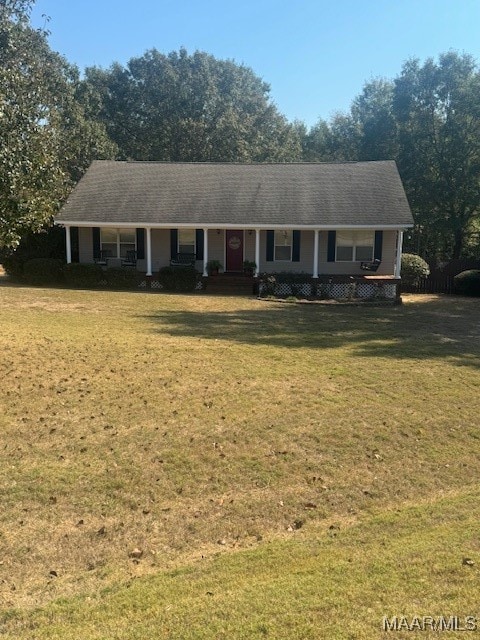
(467,283)
(83,275)
(178,278)
(121,277)
(286,277)
(43,271)
(13,265)
(48,243)
(413,268)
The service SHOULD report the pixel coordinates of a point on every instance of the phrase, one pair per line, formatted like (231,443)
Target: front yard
(190,466)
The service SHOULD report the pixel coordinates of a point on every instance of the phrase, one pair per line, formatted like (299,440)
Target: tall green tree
(30,177)
(372,112)
(366,132)
(45,138)
(437,109)
(182,107)
(337,140)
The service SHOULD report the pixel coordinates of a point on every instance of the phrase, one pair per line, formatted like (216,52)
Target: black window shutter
(377,250)
(270,245)
(296,246)
(199,243)
(173,243)
(96,241)
(141,244)
(332,242)
(74,243)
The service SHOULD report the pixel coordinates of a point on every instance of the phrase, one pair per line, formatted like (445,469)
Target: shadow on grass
(435,328)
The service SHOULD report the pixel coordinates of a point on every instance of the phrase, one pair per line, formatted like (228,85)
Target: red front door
(234,250)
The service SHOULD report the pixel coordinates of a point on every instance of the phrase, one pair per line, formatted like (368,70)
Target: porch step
(230,285)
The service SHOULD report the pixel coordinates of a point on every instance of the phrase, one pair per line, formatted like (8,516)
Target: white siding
(85,244)
(216,247)
(216,251)
(249,245)
(306,256)
(353,268)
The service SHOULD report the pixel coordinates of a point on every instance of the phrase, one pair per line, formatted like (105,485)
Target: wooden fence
(442,280)
(435,283)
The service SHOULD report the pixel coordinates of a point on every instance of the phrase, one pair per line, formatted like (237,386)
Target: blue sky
(316,55)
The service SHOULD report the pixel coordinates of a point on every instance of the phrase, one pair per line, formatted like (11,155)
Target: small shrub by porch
(83,275)
(181,280)
(43,270)
(49,271)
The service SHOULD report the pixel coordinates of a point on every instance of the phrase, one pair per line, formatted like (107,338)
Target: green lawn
(285,470)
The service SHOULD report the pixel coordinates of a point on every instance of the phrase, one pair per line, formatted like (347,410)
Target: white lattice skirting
(332,290)
(155,284)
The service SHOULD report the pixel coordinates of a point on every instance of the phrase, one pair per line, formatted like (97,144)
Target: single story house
(316,218)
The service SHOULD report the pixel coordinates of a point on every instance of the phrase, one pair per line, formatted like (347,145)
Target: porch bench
(371,265)
(183,260)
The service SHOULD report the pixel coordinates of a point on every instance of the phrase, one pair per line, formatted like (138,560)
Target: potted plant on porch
(249,267)
(213,267)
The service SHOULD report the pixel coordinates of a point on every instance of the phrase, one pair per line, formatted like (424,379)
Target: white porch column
(257,252)
(149,251)
(69,244)
(315,253)
(398,261)
(205,251)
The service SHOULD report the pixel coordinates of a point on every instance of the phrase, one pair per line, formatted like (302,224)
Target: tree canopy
(182,107)
(46,141)
(437,109)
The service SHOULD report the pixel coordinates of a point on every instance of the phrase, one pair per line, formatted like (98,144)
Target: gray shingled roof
(215,194)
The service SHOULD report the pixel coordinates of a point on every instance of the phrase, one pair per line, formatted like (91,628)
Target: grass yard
(210,467)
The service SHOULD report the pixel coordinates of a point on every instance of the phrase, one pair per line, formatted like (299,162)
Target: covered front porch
(314,251)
